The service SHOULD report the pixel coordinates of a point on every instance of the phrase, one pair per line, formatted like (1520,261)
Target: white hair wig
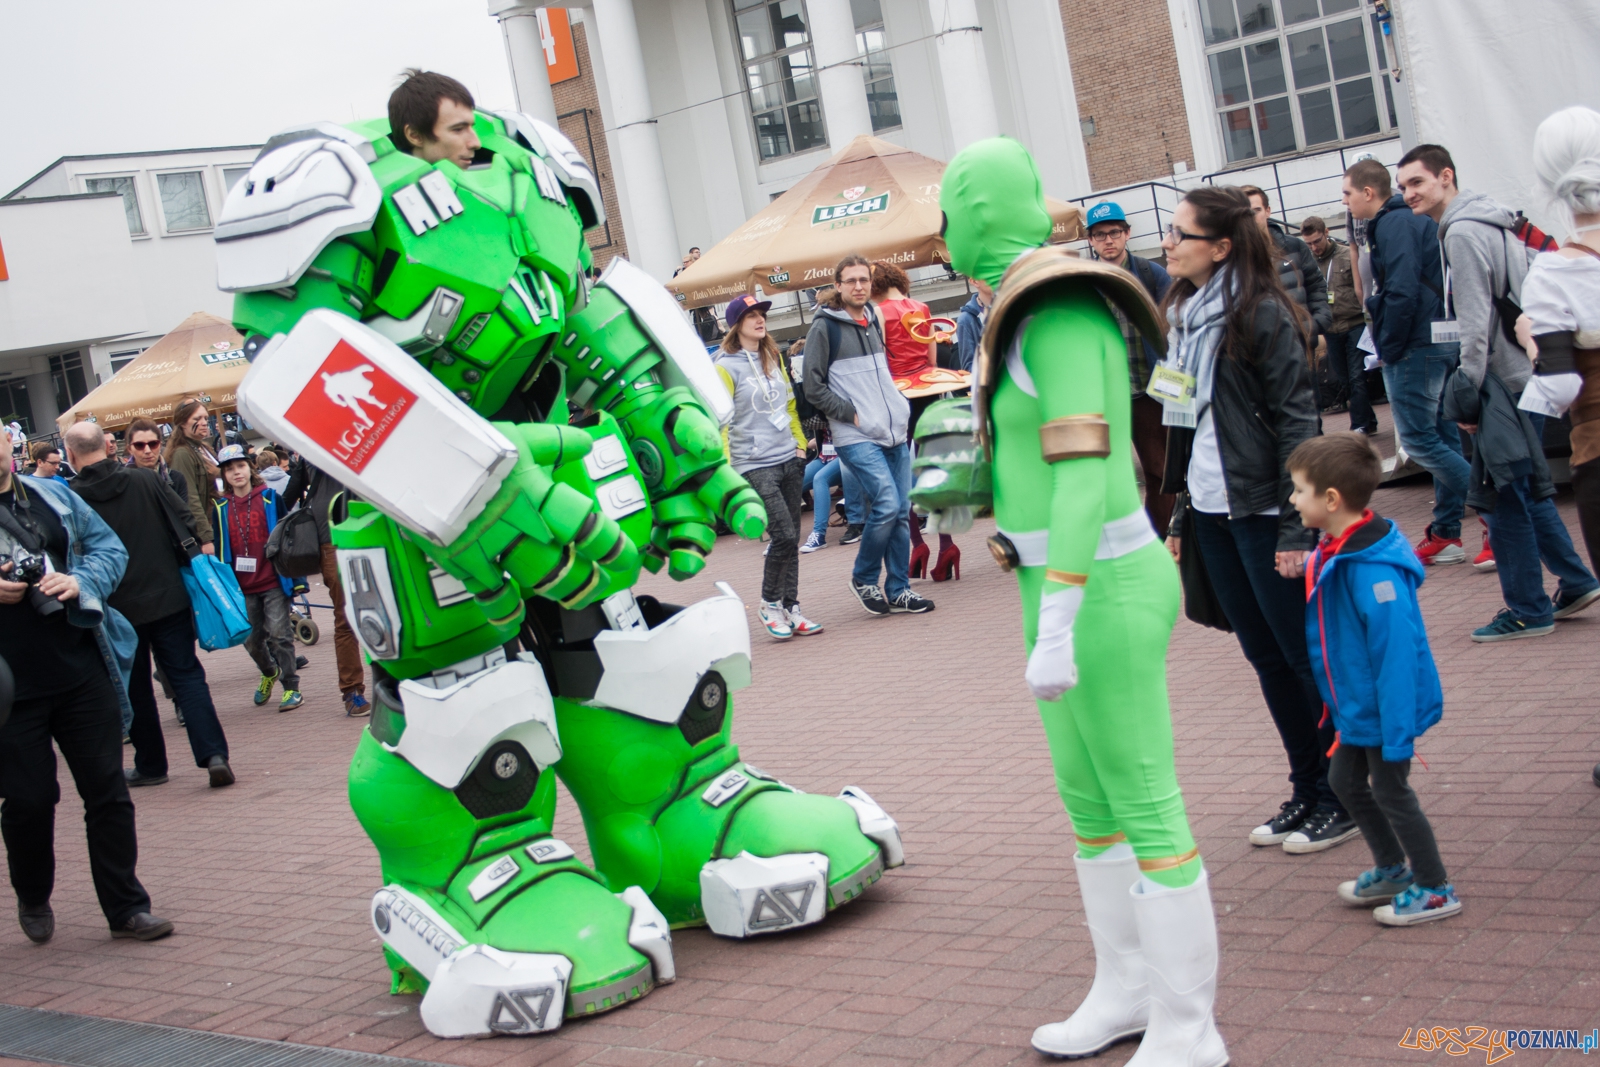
(1566,159)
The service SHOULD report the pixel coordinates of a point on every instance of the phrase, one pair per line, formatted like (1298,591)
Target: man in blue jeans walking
(1510,481)
(847,379)
(1406,266)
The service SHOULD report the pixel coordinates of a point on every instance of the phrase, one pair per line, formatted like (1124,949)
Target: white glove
(1052,670)
(950,520)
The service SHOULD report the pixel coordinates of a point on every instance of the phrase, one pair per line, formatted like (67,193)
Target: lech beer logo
(856,203)
(779,276)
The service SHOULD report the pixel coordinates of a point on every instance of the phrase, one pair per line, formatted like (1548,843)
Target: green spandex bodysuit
(1111,735)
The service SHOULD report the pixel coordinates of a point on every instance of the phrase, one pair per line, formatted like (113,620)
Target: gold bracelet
(1075,437)
(1066,577)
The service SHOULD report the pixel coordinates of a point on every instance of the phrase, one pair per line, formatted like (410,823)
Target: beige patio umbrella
(203,357)
(874,198)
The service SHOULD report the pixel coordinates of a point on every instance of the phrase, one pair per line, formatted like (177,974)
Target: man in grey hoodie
(847,379)
(1485,263)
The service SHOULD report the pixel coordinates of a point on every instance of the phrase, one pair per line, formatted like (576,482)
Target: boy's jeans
(1415,384)
(1524,532)
(885,477)
(821,476)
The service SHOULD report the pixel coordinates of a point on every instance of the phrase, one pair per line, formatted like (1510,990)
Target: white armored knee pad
(450,727)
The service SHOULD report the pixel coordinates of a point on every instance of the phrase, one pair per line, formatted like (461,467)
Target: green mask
(994,209)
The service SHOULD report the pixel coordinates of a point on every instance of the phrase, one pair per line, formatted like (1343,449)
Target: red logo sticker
(350,406)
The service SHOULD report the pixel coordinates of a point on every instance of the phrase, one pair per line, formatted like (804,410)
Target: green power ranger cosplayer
(1099,595)
(418,331)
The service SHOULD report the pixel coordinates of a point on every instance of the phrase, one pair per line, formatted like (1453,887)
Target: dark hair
(143,425)
(1256,190)
(43,449)
(1370,174)
(1314,223)
(181,414)
(1434,159)
(1344,461)
(1224,212)
(852,260)
(886,276)
(415,103)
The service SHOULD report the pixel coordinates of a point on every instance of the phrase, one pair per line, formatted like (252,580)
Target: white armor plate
(876,824)
(563,156)
(481,991)
(449,729)
(357,406)
(409,925)
(658,313)
(649,933)
(369,602)
(652,673)
(297,197)
(751,895)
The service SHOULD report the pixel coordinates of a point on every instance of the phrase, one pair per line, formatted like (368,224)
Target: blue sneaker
(1419,904)
(1377,885)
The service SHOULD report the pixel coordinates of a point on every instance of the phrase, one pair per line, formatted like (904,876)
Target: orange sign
(3,275)
(555,36)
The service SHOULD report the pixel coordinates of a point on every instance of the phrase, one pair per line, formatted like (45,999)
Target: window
(231,176)
(780,74)
(882,101)
(1288,75)
(14,406)
(124,186)
(183,201)
(66,374)
(122,359)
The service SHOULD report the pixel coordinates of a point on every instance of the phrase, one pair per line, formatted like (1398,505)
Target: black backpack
(294,549)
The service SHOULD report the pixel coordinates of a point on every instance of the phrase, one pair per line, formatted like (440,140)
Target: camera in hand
(30,567)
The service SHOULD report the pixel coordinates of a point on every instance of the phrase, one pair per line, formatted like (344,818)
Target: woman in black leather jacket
(1238,343)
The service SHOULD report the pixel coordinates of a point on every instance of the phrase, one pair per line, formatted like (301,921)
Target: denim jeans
(1415,384)
(779,486)
(1268,614)
(1346,363)
(271,644)
(885,477)
(1524,532)
(821,477)
(171,642)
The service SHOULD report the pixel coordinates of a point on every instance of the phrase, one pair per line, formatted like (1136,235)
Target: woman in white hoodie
(766,444)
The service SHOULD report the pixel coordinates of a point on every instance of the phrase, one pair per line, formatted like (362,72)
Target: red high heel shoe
(919,561)
(949,565)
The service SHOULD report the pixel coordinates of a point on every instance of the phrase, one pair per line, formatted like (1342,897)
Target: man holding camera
(69,652)
(144,511)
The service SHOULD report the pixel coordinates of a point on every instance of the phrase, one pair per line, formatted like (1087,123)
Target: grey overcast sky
(92,76)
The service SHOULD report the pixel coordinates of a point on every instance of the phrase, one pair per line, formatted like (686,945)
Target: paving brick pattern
(954,958)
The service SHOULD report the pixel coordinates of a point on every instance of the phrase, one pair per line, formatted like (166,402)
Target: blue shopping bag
(220,620)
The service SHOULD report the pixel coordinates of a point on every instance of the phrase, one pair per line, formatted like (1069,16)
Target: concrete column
(530,77)
(964,69)
(42,396)
(840,85)
(652,232)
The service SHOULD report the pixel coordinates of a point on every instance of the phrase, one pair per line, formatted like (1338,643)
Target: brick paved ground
(957,956)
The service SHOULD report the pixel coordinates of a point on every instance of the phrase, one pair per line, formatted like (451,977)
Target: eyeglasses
(144,446)
(1178,236)
(1106,235)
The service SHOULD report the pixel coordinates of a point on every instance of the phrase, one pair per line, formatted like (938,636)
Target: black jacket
(1301,275)
(140,508)
(1506,446)
(315,489)
(1405,266)
(1263,407)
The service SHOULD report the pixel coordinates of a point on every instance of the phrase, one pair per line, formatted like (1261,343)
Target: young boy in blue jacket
(1370,655)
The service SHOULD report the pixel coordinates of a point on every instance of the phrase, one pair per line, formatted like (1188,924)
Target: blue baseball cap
(1104,211)
(741,305)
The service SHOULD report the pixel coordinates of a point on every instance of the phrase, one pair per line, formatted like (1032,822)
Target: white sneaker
(801,625)
(814,541)
(776,620)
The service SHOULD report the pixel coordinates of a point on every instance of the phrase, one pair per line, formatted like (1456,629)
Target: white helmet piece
(563,156)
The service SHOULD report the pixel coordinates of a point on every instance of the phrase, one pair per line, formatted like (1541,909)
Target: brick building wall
(1125,72)
(578,111)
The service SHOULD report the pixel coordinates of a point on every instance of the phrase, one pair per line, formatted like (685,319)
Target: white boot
(1117,1006)
(1178,932)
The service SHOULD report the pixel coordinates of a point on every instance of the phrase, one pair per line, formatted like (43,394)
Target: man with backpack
(1486,252)
(143,510)
(1108,239)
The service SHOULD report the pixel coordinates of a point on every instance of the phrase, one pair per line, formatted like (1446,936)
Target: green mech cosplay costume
(392,309)
(1100,596)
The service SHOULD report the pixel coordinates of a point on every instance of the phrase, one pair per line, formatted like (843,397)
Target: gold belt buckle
(1004,552)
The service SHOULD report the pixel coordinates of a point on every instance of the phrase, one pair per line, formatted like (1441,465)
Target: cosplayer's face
(453,136)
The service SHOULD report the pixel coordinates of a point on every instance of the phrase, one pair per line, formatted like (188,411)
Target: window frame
(222,177)
(1377,75)
(862,52)
(744,64)
(133,181)
(200,170)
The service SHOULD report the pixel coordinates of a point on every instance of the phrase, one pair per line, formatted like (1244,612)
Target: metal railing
(1148,210)
(1304,185)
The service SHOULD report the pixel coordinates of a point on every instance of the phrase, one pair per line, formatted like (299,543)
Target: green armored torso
(425,334)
